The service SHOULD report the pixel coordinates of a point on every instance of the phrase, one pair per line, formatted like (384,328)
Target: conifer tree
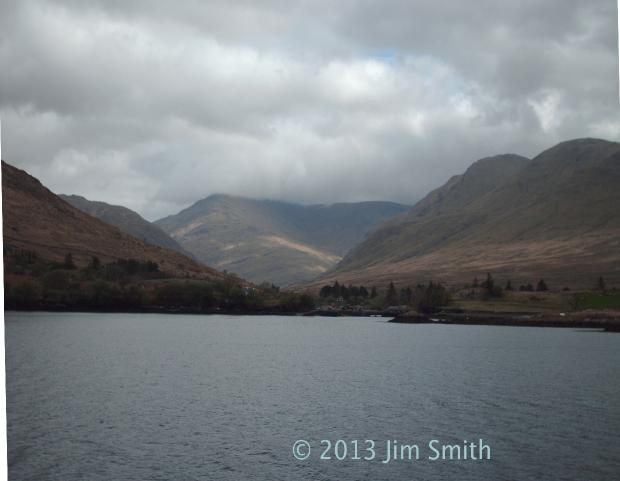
(391,297)
(69,264)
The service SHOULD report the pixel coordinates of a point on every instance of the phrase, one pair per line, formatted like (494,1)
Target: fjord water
(170,397)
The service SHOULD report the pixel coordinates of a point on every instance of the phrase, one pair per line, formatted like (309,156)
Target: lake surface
(170,397)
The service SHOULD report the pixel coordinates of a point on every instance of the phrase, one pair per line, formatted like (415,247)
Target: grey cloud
(157,104)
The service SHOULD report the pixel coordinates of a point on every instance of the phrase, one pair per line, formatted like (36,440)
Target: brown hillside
(279,242)
(36,219)
(126,220)
(556,217)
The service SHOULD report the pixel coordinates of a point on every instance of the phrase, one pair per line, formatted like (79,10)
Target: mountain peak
(481,177)
(575,150)
(547,218)
(271,240)
(496,161)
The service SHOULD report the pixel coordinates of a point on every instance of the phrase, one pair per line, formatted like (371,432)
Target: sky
(157,104)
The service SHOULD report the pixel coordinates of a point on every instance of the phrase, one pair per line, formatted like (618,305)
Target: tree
(508,286)
(293,302)
(600,284)
(326,291)
(391,296)
(406,295)
(195,295)
(541,286)
(104,295)
(23,257)
(151,266)
(56,280)
(363,292)
(430,298)
(254,300)
(69,264)
(475,283)
(344,292)
(491,289)
(95,263)
(24,295)
(373,292)
(489,283)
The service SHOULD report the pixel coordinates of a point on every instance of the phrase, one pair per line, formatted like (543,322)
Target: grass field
(596,300)
(544,302)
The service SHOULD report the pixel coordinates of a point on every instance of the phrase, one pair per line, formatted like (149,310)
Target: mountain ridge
(36,219)
(125,219)
(271,240)
(555,214)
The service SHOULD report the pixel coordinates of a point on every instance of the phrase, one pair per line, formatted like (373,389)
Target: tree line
(133,284)
(491,289)
(424,297)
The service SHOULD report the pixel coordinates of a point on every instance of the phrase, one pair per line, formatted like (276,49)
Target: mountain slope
(437,214)
(264,240)
(480,178)
(36,219)
(125,219)
(557,217)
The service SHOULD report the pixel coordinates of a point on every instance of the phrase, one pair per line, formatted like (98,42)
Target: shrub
(24,295)
(185,295)
(297,302)
(56,280)
(430,298)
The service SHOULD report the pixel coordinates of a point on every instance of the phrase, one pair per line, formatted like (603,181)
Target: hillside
(556,217)
(35,219)
(126,220)
(279,242)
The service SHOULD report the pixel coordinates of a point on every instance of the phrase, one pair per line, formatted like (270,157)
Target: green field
(596,300)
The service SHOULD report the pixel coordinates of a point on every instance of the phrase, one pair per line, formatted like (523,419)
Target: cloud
(155,105)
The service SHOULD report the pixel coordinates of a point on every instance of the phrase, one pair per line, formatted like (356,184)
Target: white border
(4,476)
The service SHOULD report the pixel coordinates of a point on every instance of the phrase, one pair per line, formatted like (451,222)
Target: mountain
(480,178)
(279,242)
(555,217)
(35,219)
(126,220)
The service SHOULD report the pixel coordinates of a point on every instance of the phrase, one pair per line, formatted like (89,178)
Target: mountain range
(556,216)
(36,220)
(125,219)
(278,242)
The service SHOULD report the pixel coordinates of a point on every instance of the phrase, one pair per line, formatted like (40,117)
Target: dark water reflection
(164,397)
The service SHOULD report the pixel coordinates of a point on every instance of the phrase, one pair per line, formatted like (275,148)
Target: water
(166,397)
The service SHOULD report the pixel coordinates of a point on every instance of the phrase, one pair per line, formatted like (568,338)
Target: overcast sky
(156,104)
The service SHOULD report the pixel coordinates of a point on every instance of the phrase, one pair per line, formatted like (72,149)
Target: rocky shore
(606,321)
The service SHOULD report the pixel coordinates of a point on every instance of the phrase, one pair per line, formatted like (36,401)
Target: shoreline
(579,320)
(583,320)
(190,311)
